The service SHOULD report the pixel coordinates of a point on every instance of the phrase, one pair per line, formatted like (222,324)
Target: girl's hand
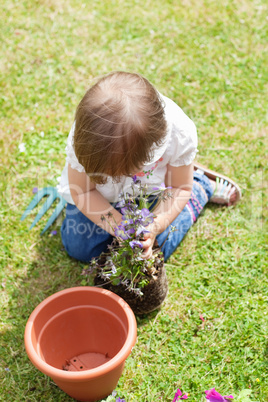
(149,240)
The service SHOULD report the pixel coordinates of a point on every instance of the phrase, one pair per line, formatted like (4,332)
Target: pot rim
(99,371)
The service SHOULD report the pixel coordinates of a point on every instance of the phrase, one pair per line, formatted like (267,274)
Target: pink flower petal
(177,394)
(213,396)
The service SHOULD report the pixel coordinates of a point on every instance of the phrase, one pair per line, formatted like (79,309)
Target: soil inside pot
(154,293)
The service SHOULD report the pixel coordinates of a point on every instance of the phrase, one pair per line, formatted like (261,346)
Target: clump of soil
(154,293)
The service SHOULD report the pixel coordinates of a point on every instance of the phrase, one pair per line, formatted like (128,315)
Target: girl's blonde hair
(118,121)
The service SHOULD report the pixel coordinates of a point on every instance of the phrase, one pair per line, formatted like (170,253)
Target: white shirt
(178,149)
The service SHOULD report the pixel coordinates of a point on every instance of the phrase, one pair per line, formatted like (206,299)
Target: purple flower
(53,233)
(130,231)
(147,216)
(35,190)
(141,229)
(135,243)
(136,181)
(178,394)
(214,396)
(120,232)
(121,204)
(129,210)
(120,400)
(162,187)
(125,211)
(126,221)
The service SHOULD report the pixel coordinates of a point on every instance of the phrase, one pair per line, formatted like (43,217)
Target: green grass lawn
(210,57)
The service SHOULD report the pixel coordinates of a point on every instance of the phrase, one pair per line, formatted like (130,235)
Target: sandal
(224,188)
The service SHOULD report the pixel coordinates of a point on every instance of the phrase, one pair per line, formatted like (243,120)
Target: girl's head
(118,121)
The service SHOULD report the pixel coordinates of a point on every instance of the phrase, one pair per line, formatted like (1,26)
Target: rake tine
(55,214)
(52,195)
(49,201)
(35,201)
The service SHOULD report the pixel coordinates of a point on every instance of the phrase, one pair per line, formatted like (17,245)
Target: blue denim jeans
(84,240)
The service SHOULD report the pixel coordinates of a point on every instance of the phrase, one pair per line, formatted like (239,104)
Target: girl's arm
(181,180)
(90,202)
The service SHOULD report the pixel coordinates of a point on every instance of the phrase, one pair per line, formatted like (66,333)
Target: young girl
(123,127)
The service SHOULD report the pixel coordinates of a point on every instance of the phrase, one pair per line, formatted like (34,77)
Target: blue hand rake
(52,194)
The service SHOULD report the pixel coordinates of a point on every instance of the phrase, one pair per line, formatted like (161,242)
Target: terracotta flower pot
(81,337)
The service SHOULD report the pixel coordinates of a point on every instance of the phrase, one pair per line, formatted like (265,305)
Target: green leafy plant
(124,263)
